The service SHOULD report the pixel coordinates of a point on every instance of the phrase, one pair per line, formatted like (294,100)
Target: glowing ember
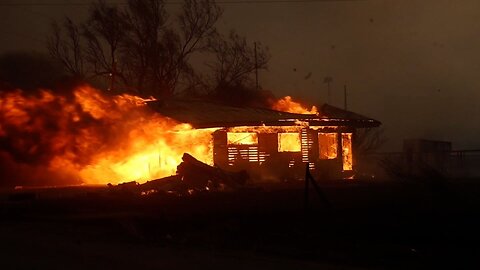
(242,138)
(287,104)
(93,138)
(265,129)
(347,151)
(289,142)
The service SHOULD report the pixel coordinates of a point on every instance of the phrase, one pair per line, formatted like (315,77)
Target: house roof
(333,112)
(201,114)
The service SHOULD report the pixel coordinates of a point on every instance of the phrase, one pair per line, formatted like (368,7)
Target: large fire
(92,138)
(286,104)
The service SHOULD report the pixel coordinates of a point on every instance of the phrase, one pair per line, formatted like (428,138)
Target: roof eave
(294,122)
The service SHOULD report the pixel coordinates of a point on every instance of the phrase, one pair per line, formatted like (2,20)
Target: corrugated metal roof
(201,114)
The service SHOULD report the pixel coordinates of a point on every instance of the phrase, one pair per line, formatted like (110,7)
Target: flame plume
(286,104)
(91,138)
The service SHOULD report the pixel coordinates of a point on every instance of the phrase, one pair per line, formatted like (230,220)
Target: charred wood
(197,174)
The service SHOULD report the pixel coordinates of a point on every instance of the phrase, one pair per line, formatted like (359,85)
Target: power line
(236,2)
(279,1)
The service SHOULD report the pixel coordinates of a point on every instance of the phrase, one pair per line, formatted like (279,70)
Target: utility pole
(345,96)
(256,66)
(329,93)
(328,80)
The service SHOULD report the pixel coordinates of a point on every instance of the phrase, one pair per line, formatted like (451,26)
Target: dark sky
(414,65)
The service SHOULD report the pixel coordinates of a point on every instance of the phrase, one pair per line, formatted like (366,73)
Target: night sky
(414,65)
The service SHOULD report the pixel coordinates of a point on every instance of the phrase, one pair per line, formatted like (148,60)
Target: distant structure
(426,155)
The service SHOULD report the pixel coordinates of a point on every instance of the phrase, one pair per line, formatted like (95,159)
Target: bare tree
(197,24)
(145,43)
(139,46)
(169,48)
(235,61)
(368,140)
(66,47)
(104,32)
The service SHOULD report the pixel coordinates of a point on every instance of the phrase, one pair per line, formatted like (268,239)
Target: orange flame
(93,138)
(242,138)
(347,151)
(289,142)
(328,145)
(286,104)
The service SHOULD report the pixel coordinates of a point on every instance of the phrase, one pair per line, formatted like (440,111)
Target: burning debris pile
(192,176)
(198,174)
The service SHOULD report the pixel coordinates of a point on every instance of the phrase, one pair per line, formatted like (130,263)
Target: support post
(307,180)
(321,195)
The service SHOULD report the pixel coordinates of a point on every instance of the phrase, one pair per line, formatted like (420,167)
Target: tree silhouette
(64,45)
(142,48)
(235,61)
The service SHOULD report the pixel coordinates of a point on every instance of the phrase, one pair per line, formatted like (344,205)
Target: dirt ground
(370,225)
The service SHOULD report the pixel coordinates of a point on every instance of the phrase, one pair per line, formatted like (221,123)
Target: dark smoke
(29,71)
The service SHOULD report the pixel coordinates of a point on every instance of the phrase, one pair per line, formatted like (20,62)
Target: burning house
(93,138)
(274,144)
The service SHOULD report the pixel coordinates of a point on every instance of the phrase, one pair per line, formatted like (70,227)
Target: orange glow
(265,129)
(328,145)
(289,142)
(347,156)
(286,104)
(94,138)
(242,138)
